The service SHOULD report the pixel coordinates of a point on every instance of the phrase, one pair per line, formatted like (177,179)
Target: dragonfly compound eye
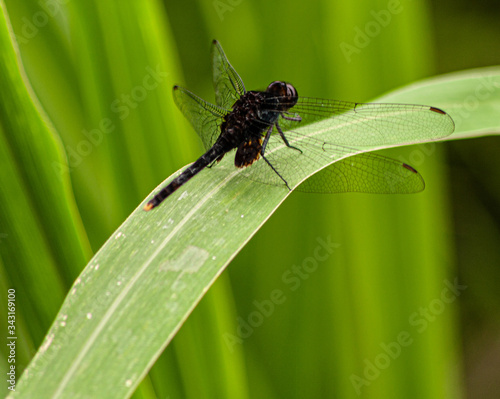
(284,90)
(291,91)
(278,88)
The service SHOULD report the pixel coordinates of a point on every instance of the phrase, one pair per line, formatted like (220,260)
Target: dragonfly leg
(266,139)
(275,171)
(291,118)
(285,140)
(263,150)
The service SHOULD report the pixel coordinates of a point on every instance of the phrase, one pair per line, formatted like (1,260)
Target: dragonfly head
(285,93)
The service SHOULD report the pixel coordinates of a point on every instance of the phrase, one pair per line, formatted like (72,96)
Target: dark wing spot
(439,111)
(248,152)
(409,168)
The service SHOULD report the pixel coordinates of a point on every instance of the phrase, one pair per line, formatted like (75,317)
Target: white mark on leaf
(190,261)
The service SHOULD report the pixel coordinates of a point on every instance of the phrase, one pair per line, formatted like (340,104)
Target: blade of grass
(472,98)
(141,286)
(37,212)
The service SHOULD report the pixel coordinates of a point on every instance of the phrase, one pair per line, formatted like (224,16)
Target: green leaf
(143,283)
(38,215)
(472,98)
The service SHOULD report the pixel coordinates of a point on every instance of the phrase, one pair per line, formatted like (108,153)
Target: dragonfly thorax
(250,117)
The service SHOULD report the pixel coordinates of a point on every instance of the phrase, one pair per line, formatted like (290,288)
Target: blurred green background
(370,321)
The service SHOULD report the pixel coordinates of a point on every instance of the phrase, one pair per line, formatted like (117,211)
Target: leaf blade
(181,248)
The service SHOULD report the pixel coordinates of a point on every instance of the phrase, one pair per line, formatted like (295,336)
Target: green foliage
(103,72)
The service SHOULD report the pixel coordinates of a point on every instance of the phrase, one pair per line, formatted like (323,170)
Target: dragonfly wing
(353,171)
(369,124)
(227,83)
(365,173)
(203,116)
(340,131)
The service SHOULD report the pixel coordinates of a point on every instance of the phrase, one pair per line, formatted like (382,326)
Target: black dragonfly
(277,126)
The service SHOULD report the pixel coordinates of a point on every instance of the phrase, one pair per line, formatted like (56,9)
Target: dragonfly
(280,138)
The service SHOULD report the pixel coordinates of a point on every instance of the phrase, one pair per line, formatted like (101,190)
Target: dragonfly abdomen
(206,159)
